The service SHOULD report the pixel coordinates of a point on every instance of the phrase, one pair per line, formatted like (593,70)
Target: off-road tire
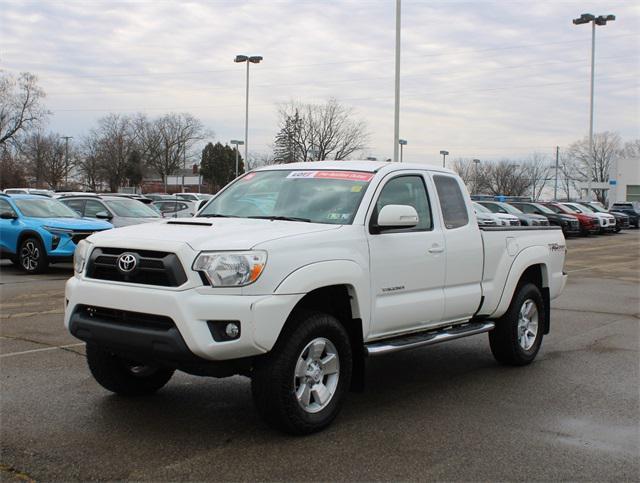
(272,380)
(115,373)
(504,338)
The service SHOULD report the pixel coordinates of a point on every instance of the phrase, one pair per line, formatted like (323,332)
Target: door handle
(436,249)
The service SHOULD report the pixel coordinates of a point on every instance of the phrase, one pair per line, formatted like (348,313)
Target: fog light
(232,330)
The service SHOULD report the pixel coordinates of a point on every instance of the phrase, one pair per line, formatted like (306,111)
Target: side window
(454,209)
(93,207)
(407,190)
(76,205)
(5,206)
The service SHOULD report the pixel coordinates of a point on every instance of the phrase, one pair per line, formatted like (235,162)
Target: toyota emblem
(127,262)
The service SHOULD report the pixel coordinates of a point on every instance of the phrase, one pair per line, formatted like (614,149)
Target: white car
(295,273)
(499,219)
(176,208)
(606,221)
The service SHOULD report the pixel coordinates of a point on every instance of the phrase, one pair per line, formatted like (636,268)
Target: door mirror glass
(103,215)
(398,216)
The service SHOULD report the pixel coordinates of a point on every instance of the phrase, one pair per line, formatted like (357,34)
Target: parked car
(28,191)
(295,273)
(132,196)
(589,224)
(630,209)
(176,208)
(484,217)
(525,218)
(622,220)
(36,231)
(194,196)
(501,219)
(119,210)
(607,222)
(159,196)
(569,223)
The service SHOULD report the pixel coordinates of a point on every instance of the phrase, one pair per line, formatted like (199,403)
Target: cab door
(407,265)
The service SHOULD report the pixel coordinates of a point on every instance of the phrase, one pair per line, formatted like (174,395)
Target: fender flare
(27,233)
(536,255)
(332,272)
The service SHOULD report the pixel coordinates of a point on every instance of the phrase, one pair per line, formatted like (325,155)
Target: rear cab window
(452,203)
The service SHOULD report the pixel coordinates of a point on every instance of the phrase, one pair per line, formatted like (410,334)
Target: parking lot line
(11,354)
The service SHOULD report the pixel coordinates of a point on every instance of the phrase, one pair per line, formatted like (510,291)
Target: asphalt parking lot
(447,412)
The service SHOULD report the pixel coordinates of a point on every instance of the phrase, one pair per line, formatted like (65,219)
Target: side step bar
(422,339)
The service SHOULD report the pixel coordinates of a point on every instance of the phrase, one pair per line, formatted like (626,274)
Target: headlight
(80,255)
(231,269)
(58,231)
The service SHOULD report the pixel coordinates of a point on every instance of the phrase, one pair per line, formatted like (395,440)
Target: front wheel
(300,386)
(123,376)
(32,256)
(517,336)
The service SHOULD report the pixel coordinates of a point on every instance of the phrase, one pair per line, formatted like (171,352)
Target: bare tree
(318,131)
(164,143)
(21,107)
(595,164)
(631,149)
(12,172)
(537,170)
(473,174)
(44,157)
(506,177)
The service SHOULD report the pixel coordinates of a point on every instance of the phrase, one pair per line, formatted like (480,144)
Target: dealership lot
(445,412)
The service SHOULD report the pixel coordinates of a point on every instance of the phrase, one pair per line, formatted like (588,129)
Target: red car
(588,223)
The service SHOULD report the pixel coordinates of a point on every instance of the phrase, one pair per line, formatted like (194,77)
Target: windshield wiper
(216,215)
(281,218)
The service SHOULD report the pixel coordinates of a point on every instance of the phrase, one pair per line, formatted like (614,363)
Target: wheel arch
(26,234)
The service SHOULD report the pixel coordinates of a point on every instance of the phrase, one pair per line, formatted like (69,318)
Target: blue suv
(37,230)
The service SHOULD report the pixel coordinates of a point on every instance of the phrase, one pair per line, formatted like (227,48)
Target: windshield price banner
(343,175)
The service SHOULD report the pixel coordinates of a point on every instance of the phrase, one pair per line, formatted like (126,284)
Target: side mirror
(103,215)
(397,216)
(8,215)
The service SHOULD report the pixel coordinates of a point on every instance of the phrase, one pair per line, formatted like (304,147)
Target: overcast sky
(482,79)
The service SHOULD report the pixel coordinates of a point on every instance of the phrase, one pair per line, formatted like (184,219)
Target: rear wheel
(123,376)
(32,256)
(517,337)
(299,387)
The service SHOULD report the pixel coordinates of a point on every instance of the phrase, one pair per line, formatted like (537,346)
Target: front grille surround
(153,268)
(126,318)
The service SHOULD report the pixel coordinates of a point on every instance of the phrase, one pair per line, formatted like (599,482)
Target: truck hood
(208,233)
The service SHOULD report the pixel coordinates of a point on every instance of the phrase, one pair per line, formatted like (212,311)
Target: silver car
(117,210)
(176,208)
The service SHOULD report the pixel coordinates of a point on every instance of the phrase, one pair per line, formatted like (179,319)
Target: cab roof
(356,165)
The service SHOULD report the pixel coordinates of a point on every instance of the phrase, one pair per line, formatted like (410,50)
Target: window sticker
(344,175)
(248,177)
(357,188)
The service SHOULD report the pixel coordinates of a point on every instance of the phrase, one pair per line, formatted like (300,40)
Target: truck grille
(151,267)
(80,235)
(126,318)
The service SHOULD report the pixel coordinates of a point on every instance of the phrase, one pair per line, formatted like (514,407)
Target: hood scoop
(197,223)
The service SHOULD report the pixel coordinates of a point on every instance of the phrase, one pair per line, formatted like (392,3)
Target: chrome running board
(431,337)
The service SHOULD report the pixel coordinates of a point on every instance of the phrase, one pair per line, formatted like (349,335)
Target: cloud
(481,79)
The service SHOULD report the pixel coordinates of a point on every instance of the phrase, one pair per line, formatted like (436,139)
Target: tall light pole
(66,159)
(396,116)
(402,143)
(254,59)
(555,185)
(237,143)
(444,157)
(600,20)
(476,162)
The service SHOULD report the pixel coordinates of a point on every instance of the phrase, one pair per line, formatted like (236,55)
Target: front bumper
(261,318)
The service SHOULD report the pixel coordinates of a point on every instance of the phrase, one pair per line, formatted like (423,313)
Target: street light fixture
(402,143)
(476,162)
(444,157)
(254,59)
(599,20)
(237,143)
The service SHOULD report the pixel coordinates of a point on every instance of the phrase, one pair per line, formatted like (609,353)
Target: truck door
(407,265)
(464,251)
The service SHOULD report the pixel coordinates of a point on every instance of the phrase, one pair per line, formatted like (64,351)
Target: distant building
(624,180)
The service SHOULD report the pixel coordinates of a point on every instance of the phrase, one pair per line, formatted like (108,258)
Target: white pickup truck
(294,274)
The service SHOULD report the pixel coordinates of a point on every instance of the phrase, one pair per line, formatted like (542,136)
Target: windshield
(131,209)
(45,208)
(480,208)
(316,196)
(596,208)
(570,209)
(511,209)
(544,209)
(580,208)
